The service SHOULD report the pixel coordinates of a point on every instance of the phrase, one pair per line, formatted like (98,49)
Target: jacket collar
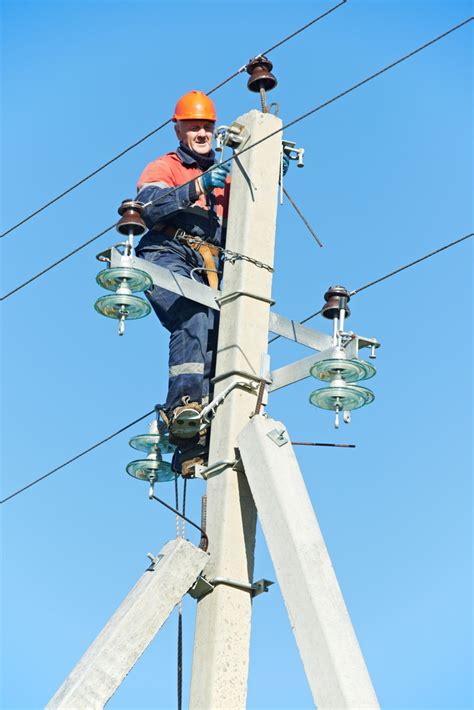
(189,157)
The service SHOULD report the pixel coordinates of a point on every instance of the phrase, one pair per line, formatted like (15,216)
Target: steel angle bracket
(296,371)
(299,370)
(167,279)
(292,330)
(114,256)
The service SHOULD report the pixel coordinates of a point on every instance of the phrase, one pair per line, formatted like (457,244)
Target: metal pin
(342,316)
(373,353)
(121,324)
(318,443)
(151,491)
(130,242)
(347,417)
(336,420)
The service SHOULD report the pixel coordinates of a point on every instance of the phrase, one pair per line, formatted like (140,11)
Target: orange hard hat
(194,104)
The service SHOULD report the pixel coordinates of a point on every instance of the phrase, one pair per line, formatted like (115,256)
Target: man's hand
(216,177)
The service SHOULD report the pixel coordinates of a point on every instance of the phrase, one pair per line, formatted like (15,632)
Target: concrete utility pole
(221,651)
(124,638)
(333,661)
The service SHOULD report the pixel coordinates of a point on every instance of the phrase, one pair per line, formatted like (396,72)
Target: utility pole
(242,438)
(222,637)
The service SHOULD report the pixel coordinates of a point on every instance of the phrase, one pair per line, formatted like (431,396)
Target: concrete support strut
(221,651)
(333,661)
(112,655)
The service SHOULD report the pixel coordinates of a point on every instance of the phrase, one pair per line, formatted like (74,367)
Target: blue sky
(388,177)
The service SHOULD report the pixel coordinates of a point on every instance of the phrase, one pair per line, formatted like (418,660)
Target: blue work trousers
(192,328)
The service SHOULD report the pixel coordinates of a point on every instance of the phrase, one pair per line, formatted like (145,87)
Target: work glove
(215,177)
(286,163)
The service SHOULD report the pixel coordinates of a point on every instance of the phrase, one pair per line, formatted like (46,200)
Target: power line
(412,263)
(389,275)
(83,453)
(253,145)
(353,293)
(56,263)
(155,130)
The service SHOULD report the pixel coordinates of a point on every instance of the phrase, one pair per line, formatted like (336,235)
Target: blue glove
(286,163)
(215,177)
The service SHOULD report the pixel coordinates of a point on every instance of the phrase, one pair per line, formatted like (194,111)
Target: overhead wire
(312,315)
(387,276)
(253,145)
(162,125)
(78,456)
(409,265)
(302,217)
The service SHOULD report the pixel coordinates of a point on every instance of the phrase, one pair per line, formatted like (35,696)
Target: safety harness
(205,249)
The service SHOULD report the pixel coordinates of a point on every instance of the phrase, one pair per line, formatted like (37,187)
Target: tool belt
(206,250)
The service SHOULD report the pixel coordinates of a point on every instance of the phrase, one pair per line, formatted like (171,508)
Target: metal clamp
(234,294)
(210,409)
(293,153)
(154,559)
(278,436)
(235,136)
(352,343)
(204,586)
(206,472)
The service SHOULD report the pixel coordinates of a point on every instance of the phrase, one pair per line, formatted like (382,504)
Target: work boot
(187,467)
(194,453)
(185,422)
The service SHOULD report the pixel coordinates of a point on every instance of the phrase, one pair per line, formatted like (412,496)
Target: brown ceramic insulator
(131,218)
(336,297)
(261,76)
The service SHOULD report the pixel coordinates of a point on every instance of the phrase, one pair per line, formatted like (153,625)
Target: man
(186,227)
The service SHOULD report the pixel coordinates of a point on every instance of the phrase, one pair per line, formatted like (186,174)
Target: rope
(270,135)
(204,539)
(180,655)
(155,130)
(179,660)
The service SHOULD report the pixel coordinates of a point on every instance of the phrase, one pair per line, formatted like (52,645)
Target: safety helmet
(194,104)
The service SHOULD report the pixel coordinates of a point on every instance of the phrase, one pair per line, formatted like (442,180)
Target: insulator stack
(340,371)
(125,280)
(152,468)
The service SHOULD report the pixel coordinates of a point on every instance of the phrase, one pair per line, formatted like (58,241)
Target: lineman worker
(186,227)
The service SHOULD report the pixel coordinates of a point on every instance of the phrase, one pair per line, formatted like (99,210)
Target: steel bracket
(206,472)
(204,586)
(278,436)
(293,153)
(235,136)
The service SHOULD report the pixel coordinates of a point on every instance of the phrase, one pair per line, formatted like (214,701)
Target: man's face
(196,134)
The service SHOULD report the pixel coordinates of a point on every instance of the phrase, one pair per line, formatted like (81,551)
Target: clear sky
(388,177)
